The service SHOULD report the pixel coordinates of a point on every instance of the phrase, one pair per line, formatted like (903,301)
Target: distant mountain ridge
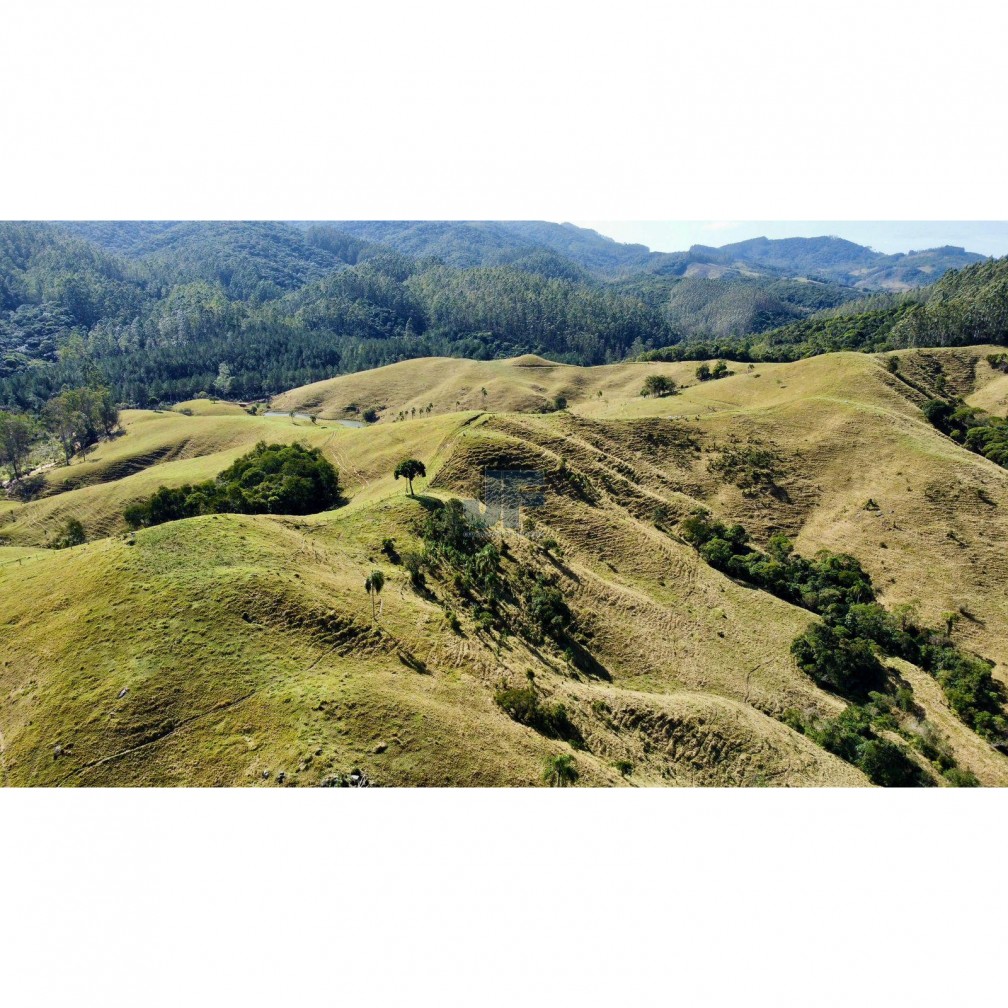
(490,243)
(843,261)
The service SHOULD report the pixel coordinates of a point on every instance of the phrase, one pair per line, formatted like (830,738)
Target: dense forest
(163,311)
(965,307)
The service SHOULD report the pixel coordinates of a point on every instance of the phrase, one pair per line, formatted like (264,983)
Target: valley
(233,649)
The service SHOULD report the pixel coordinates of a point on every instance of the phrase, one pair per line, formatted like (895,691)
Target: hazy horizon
(985,237)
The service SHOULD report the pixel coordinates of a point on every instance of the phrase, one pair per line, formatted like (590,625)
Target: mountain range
(159,307)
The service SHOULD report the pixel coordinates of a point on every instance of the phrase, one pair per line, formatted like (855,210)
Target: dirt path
(159,738)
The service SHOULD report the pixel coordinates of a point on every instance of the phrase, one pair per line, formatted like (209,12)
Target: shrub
(961,778)
(72,534)
(522,704)
(888,765)
(973,693)
(413,561)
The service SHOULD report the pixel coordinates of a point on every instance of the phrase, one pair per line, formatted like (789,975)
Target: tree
(64,419)
(16,431)
(838,661)
(658,385)
(703,372)
(559,403)
(107,410)
(559,771)
(222,383)
(410,469)
(720,370)
(373,585)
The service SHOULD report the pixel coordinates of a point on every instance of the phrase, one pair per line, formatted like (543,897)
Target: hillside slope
(215,650)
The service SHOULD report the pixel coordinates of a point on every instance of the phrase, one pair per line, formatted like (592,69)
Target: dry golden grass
(246,644)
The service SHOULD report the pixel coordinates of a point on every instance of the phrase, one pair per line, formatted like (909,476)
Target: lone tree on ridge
(410,469)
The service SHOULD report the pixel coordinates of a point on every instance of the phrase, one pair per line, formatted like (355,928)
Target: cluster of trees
(77,418)
(853,735)
(964,307)
(707,373)
(270,479)
(841,653)
(977,430)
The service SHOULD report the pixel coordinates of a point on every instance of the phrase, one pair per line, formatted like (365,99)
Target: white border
(562,111)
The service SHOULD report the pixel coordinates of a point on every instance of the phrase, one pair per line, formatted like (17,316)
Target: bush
(413,561)
(72,534)
(887,765)
(961,778)
(522,704)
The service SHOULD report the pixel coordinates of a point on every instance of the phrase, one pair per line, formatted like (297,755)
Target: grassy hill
(230,649)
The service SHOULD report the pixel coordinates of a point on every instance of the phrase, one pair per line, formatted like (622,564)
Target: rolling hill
(158,308)
(231,649)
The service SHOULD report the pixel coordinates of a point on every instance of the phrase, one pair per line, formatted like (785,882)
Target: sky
(985,237)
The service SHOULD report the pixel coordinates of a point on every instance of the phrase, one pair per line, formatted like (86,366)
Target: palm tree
(373,586)
(410,469)
(559,771)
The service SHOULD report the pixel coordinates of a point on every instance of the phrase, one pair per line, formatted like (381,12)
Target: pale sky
(985,237)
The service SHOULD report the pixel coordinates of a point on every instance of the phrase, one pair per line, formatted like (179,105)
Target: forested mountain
(279,306)
(494,243)
(163,311)
(968,306)
(842,261)
(729,303)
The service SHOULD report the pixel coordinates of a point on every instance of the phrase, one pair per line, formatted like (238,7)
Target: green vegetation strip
(841,653)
